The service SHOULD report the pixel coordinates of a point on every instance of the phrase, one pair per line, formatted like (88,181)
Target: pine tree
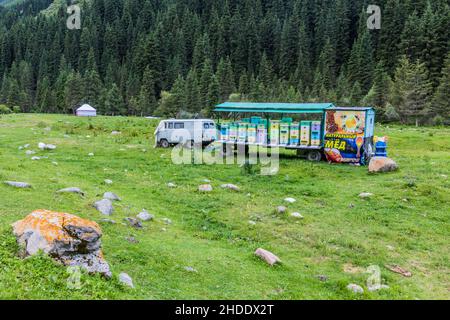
(147,103)
(440,106)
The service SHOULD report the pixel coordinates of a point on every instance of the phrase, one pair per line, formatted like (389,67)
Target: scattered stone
(205,188)
(108,221)
(105,207)
(206,181)
(167,221)
(26,146)
(351,206)
(116,133)
(322,277)
(377,287)
(36,158)
(66,238)
(108,181)
(230,187)
(132,240)
(55,163)
(171,185)
(190,269)
(253,223)
(296,215)
(22,185)
(389,247)
(126,280)
(267,256)
(30,152)
(365,195)
(290,200)
(135,223)
(111,196)
(91,154)
(71,190)
(50,147)
(20,148)
(41,145)
(145,216)
(399,270)
(163,229)
(355,288)
(381,164)
(281,209)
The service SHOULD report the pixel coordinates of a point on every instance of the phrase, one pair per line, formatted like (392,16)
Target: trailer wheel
(164,143)
(314,156)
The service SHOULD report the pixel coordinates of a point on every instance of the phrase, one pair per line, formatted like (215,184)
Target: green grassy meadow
(406,222)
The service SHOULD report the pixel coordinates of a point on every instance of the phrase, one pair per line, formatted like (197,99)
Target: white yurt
(86,111)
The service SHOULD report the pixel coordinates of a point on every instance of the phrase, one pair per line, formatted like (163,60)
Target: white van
(187,132)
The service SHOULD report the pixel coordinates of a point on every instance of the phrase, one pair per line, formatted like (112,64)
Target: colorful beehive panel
(305,133)
(224,130)
(251,133)
(284,133)
(242,132)
(262,134)
(315,133)
(294,138)
(274,132)
(233,132)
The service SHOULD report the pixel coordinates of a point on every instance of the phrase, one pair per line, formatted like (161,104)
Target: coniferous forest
(181,57)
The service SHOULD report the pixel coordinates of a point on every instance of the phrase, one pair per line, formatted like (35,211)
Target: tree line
(172,57)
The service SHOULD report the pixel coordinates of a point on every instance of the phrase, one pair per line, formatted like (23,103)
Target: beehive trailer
(319,140)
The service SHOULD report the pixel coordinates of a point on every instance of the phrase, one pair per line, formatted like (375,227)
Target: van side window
(179,125)
(165,125)
(206,125)
(170,125)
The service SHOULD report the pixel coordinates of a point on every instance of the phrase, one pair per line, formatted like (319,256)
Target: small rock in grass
(206,181)
(26,146)
(205,188)
(296,215)
(365,195)
(126,280)
(108,181)
(50,147)
(20,148)
(105,207)
(135,223)
(145,216)
(36,158)
(190,269)
(377,287)
(171,185)
(351,206)
(91,154)
(116,133)
(382,164)
(267,256)
(389,247)
(167,221)
(132,239)
(30,152)
(281,209)
(41,145)
(71,190)
(230,187)
(322,277)
(108,221)
(54,163)
(290,200)
(22,185)
(251,222)
(111,196)
(355,288)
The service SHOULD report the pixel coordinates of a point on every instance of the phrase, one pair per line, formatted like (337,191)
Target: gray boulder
(126,280)
(105,207)
(111,196)
(145,216)
(355,288)
(135,223)
(230,187)
(71,190)
(382,164)
(22,185)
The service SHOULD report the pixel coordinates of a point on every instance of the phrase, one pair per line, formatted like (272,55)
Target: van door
(209,131)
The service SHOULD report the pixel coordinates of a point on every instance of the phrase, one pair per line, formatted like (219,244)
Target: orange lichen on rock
(51,225)
(67,238)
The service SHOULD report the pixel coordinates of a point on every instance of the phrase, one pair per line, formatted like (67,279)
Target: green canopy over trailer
(342,134)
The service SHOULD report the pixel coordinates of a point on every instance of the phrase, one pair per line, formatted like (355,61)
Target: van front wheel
(164,144)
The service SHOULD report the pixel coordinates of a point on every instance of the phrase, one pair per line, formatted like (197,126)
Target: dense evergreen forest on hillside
(162,57)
